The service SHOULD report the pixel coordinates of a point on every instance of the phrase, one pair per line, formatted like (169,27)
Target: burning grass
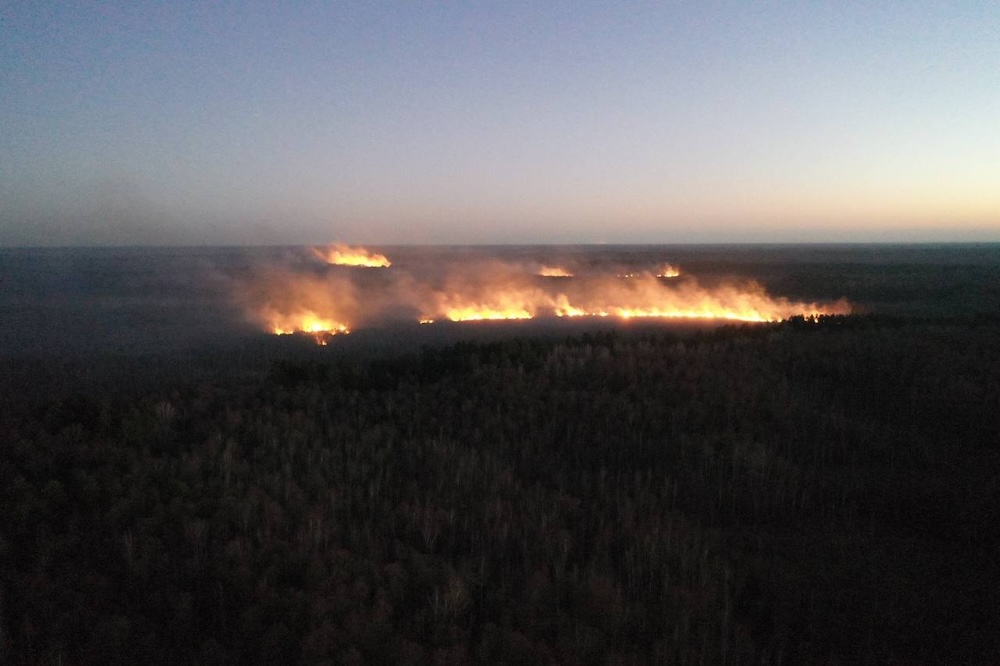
(324,303)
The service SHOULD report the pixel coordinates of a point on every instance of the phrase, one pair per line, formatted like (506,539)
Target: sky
(246,123)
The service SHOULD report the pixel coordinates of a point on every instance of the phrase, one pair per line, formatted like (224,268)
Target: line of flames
(307,305)
(562,308)
(322,327)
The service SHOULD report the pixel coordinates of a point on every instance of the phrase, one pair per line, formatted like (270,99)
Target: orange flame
(647,297)
(643,296)
(495,304)
(345,255)
(305,321)
(554,271)
(324,305)
(285,303)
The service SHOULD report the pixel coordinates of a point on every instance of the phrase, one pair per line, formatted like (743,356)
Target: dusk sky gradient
(498,122)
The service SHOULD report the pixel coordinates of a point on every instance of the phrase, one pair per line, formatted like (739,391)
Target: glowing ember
(344,255)
(554,271)
(669,271)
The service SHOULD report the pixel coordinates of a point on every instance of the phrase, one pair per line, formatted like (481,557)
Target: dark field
(177,487)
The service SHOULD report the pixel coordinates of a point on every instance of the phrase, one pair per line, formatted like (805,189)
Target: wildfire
(286,301)
(511,303)
(647,299)
(320,328)
(481,313)
(669,313)
(344,255)
(644,296)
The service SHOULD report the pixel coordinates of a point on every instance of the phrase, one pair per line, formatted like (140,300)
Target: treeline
(801,492)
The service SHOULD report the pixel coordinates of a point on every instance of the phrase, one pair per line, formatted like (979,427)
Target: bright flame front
(328,304)
(320,328)
(345,255)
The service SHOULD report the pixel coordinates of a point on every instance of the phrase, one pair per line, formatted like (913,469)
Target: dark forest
(820,492)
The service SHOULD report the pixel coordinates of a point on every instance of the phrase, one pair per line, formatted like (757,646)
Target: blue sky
(514,122)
